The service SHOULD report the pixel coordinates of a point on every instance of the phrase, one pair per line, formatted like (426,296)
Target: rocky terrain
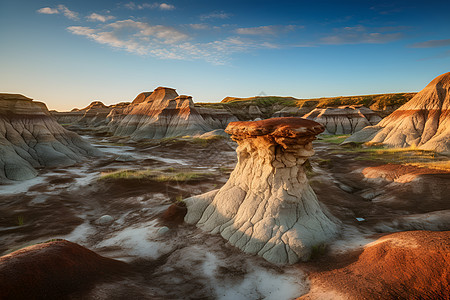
(343,119)
(128,206)
(340,115)
(423,122)
(31,138)
(267,206)
(151,115)
(295,214)
(264,107)
(163,114)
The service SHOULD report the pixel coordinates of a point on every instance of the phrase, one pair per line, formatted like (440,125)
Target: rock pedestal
(267,206)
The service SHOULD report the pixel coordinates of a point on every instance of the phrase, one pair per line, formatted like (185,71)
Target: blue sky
(70,53)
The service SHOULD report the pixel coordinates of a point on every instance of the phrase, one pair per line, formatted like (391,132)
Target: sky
(70,53)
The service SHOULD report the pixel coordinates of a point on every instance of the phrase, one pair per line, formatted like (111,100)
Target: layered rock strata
(31,138)
(343,119)
(267,206)
(163,114)
(423,122)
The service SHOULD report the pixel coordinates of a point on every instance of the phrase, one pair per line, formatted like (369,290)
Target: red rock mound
(53,270)
(403,265)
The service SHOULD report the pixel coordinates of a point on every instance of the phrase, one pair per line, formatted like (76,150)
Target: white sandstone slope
(30,138)
(422,122)
(267,206)
(343,119)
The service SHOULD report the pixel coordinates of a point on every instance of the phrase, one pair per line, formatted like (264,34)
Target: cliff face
(164,113)
(31,138)
(267,206)
(423,122)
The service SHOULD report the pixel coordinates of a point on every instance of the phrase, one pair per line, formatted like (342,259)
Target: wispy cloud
(361,35)
(165,6)
(215,15)
(165,42)
(266,30)
(48,11)
(60,9)
(155,5)
(432,44)
(199,26)
(98,17)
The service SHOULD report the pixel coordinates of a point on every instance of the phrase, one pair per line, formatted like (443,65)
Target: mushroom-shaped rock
(267,206)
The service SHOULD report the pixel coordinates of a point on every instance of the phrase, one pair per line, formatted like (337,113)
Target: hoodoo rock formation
(422,122)
(267,206)
(31,138)
(54,270)
(343,119)
(164,113)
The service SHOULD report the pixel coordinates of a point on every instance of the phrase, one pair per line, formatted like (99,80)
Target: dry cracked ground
(373,192)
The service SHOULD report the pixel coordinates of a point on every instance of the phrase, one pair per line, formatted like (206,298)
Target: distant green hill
(383,104)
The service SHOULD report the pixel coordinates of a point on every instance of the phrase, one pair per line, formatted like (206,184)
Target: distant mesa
(344,119)
(402,265)
(267,206)
(31,138)
(423,122)
(54,270)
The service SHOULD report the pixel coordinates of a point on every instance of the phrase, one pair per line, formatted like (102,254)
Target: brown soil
(53,270)
(404,265)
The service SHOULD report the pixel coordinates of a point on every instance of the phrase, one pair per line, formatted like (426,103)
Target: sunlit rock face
(401,265)
(422,122)
(30,138)
(267,206)
(343,119)
(162,114)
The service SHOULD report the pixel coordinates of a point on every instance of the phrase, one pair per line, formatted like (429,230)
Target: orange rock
(403,265)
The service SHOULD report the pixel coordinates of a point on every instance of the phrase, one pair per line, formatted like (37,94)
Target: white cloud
(361,35)
(199,26)
(165,42)
(59,9)
(67,12)
(215,15)
(98,17)
(165,6)
(161,6)
(266,30)
(48,11)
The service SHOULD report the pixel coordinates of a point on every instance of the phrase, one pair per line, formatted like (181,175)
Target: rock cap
(289,127)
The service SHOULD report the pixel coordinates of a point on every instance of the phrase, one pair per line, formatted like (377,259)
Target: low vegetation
(379,101)
(405,156)
(334,139)
(166,175)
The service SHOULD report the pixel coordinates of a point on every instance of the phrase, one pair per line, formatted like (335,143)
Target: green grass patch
(405,156)
(333,139)
(164,175)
